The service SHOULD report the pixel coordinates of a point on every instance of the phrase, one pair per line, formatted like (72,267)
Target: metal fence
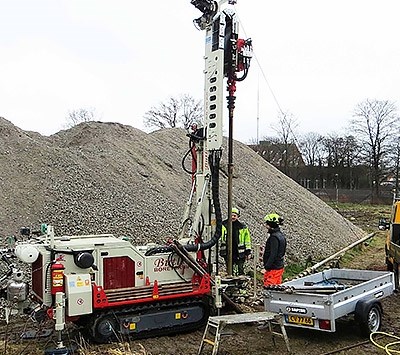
(353,196)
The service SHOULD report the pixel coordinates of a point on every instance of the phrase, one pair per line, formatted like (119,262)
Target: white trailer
(316,301)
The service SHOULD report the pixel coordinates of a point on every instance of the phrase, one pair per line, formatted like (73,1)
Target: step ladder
(216,325)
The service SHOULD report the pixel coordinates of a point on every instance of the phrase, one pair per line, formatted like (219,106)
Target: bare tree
(176,112)
(375,123)
(286,127)
(80,115)
(163,116)
(285,131)
(341,151)
(341,156)
(311,148)
(192,111)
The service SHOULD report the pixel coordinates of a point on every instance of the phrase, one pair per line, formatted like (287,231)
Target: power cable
(388,346)
(260,67)
(269,86)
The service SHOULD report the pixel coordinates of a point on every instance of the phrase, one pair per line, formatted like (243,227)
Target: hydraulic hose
(158,250)
(190,151)
(214,161)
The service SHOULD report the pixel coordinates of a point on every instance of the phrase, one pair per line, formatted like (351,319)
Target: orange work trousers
(273,277)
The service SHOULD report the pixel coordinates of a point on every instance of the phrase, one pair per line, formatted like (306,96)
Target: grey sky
(320,58)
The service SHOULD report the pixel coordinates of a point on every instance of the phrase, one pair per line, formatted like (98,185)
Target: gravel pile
(110,178)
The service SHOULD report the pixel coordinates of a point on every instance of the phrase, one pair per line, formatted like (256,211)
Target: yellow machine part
(396,212)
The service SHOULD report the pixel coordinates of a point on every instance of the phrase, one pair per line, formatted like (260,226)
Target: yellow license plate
(300,320)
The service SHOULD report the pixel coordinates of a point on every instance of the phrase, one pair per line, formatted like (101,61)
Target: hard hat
(273,219)
(236,211)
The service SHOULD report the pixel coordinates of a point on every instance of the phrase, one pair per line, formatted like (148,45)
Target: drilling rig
(108,285)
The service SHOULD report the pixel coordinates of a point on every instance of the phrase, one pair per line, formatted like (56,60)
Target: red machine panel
(37,277)
(118,272)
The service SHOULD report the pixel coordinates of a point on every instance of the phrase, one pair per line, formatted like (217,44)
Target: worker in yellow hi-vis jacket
(241,243)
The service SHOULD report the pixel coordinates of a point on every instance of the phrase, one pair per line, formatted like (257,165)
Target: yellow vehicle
(392,246)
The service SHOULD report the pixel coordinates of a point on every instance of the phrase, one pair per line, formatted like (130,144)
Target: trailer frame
(316,301)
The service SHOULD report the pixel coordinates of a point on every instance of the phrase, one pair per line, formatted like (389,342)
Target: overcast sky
(315,59)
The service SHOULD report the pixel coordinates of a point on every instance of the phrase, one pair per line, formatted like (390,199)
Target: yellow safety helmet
(235,210)
(273,219)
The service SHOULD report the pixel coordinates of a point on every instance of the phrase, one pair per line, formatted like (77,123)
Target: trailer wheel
(369,316)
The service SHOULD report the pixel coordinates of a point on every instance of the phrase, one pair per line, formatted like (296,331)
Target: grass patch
(351,254)
(293,270)
(364,216)
(371,249)
(350,259)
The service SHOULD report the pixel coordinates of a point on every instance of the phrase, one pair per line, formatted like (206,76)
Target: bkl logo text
(168,264)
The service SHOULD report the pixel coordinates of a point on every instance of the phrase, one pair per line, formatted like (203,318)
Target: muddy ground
(248,339)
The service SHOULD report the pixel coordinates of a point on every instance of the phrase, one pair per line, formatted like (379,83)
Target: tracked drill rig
(112,287)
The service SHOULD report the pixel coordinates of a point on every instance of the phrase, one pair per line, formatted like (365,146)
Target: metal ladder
(218,323)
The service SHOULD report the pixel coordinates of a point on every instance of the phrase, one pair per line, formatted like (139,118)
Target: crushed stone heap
(100,178)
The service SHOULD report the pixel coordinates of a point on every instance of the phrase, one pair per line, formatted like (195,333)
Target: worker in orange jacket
(274,251)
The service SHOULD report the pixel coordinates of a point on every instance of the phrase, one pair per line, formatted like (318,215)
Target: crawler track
(111,319)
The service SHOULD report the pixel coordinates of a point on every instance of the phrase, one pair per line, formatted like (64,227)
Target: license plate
(300,320)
